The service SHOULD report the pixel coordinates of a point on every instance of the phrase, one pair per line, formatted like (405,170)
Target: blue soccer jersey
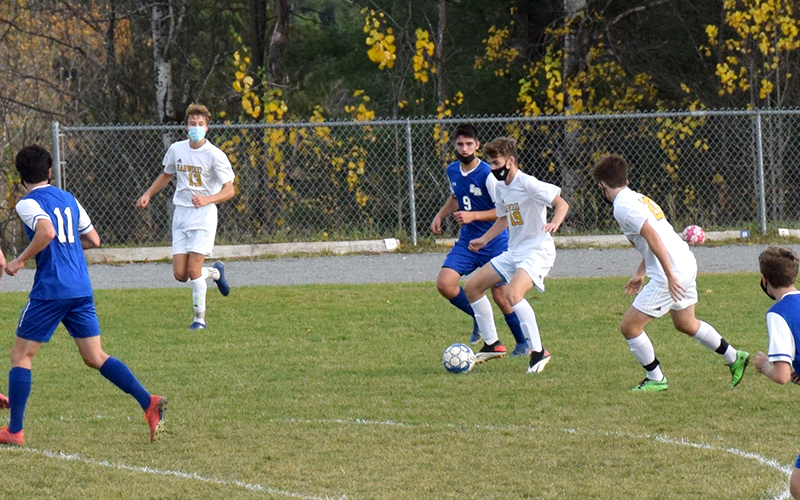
(61,271)
(783,324)
(474,191)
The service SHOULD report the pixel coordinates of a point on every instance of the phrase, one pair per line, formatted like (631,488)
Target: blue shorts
(797,462)
(40,318)
(462,261)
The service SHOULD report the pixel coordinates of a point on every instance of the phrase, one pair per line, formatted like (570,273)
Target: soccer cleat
(154,415)
(539,359)
(197,326)
(650,385)
(487,352)
(738,367)
(3,402)
(222,283)
(521,349)
(15,438)
(476,334)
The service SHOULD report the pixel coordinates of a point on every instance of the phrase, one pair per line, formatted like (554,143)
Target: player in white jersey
(672,269)
(204,177)
(521,203)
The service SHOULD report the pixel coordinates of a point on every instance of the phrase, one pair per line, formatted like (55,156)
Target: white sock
(199,288)
(527,320)
(210,272)
(708,336)
(642,350)
(484,315)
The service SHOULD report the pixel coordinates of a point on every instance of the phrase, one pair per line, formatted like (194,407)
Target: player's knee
(181,276)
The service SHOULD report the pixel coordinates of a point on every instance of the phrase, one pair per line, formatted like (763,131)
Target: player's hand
(436,225)
(550,227)
(199,200)
(634,285)
(14,266)
(143,201)
(760,361)
(676,290)
(476,244)
(463,217)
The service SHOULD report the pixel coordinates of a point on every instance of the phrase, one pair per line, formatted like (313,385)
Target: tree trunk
(162,23)
(438,54)
(280,36)
(258,34)
(111,109)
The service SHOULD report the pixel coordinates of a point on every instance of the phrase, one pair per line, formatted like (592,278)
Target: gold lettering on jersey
(180,167)
(511,207)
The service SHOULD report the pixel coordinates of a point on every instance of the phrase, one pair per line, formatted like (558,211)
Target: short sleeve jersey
(783,326)
(475,192)
(61,271)
(197,171)
(524,201)
(632,210)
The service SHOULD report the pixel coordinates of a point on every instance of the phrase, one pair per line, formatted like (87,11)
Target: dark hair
(466,130)
(613,170)
(778,265)
(34,164)
(502,146)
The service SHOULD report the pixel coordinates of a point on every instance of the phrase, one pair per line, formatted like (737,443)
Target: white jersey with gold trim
(200,171)
(632,209)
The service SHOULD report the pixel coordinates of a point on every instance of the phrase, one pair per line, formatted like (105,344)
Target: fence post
(762,202)
(54,129)
(411,207)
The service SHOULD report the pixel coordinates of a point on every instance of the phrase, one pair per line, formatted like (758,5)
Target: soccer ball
(458,358)
(694,235)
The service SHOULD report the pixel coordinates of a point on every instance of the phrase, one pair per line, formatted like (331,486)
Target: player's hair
(502,146)
(33,164)
(613,170)
(778,265)
(466,130)
(198,109)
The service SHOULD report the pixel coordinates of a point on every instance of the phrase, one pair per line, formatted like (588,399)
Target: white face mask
(196,134)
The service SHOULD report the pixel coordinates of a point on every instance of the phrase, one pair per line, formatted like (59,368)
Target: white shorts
(194,229)
(537,265)
(655,300)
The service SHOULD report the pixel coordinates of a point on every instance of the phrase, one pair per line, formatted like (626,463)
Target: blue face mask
(196,134)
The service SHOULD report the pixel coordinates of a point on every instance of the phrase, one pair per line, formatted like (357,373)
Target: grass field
(339,392)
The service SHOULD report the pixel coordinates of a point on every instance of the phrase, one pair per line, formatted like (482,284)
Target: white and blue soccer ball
(458,358)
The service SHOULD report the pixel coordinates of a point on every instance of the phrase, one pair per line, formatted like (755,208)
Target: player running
(672,269)
(471,202)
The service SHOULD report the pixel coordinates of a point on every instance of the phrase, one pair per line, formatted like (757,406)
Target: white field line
(172,473)
(767,462)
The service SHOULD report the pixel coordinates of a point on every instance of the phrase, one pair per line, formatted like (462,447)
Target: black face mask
(603,195)
(466,160)
(763,287)
(501,173)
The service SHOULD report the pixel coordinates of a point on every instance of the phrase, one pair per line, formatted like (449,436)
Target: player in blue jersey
(471,203)
(778,266)
(59,229)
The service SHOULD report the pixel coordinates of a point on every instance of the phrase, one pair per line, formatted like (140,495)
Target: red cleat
(154,415)
(15,438)
(3,402)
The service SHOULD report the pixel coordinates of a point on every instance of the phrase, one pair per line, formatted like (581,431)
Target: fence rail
(361,180)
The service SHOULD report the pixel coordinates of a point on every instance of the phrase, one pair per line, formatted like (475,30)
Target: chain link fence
(378,179)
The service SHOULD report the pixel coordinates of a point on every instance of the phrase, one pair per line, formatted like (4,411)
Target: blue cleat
(521,349)
(222,283)
(197,326)
(476,333)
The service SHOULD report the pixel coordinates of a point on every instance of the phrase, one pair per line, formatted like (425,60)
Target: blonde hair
(198,109)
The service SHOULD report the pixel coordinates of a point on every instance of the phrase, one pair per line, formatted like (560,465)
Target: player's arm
(779,371)
(561,208)
(158,184)
(225,194)
(90,239)
(450,206)
(43,235)
(660,251)
(500,225)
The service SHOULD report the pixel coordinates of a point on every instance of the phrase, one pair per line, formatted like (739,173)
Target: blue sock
(513,324)
(19,388)
(120,375)
(462,302)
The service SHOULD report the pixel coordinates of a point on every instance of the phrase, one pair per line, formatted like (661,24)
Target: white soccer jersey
(524,202)
(632,209)
(197,171)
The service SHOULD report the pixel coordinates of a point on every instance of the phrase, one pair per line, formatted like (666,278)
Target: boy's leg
(199,287)
(512,320)
(641,347)
(521,284)
(686,321)
(475,288)
(448,287)
(794,483)
(19,388)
